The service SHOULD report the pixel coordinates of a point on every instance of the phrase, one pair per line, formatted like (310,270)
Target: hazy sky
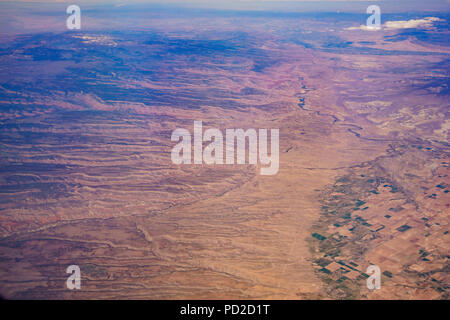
(284,5)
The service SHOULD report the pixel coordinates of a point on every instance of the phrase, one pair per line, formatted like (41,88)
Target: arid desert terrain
(86,176)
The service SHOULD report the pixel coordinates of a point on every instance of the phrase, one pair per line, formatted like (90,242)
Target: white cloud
(401,24)
(363,27)
(418,23)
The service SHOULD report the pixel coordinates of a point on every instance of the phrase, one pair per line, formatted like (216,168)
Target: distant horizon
(352,6)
